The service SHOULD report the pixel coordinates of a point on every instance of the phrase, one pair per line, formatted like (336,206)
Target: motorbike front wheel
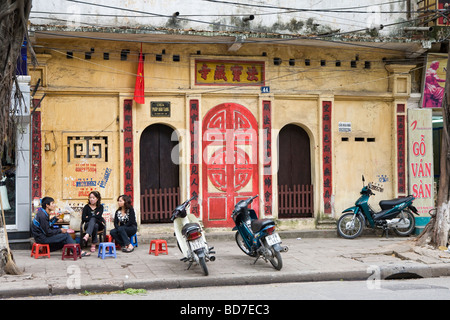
(241,244)
(407,215)
(350,225)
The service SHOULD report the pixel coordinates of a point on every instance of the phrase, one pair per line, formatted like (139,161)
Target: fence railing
(295,201)
(157,205)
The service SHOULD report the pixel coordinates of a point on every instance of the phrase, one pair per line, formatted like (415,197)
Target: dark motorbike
(257,237)
(396,214)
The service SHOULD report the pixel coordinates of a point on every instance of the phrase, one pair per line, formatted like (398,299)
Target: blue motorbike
(396,214)
(257,237)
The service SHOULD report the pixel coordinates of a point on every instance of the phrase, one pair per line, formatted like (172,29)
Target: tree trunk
(437,230)
(13,30)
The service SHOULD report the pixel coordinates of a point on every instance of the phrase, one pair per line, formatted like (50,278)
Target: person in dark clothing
(92,218)
(43,231)
(124,223)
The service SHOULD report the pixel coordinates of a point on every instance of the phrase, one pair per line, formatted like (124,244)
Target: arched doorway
(159,174)
(295,191)
(230,162)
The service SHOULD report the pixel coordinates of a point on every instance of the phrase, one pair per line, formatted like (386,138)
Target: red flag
(139,95)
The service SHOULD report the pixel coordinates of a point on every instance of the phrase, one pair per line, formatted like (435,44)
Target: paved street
(308,259)
(412,289)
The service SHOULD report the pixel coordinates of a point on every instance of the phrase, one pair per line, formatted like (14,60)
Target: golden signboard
(229,72)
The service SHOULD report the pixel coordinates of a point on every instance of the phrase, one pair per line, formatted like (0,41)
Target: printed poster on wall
(88,166)
(434,80)
(420,149)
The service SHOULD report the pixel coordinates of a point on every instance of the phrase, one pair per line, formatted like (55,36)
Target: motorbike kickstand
(190,265)
(385,231)
(256,259)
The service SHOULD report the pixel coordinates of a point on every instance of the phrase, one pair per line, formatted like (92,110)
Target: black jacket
(41,227)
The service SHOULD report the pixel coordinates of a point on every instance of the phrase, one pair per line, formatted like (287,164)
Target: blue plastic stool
(106,249)
(134,240)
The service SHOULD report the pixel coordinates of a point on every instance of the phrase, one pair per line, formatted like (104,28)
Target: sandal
(85,254)
(93,248)
(128,250)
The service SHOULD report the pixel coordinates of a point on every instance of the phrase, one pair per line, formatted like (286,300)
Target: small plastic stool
(106,249)
(36,250)
(72,250)
(108,238)
(158,247)
(134,240)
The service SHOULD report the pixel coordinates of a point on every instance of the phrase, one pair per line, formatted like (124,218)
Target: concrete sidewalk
(310,258)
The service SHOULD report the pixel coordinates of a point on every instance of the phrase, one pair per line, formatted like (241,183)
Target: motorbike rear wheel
(350,225)
(403,232)
(202,262)
(275,260)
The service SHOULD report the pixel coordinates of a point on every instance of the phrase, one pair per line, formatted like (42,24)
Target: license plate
(197,244)
(273,239)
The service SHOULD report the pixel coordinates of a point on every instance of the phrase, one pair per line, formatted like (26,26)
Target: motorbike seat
(387,204)
(189,227)
(259,224)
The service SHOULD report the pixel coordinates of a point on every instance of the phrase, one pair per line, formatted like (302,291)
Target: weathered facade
(224,117)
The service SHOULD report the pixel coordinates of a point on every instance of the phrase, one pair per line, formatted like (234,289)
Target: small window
(124,54)
(292,62)
(69,55)
(367,65)
(370,139)
(344,139)
(323,63)
(353,64)
(105,55)
(338,63)
(307,62)
(277,61)
(176,57)
(159,57)
(359,139)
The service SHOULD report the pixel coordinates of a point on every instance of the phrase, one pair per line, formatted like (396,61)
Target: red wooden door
(230,162)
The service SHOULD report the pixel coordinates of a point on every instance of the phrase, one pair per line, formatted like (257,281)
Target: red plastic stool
(36,250)
(158,247)
(72,250)
(108,238)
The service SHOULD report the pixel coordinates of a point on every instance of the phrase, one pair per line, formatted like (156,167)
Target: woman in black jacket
(124,223)
(92,216)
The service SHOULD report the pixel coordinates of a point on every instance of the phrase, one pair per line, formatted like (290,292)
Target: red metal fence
(295,201)
(157,205)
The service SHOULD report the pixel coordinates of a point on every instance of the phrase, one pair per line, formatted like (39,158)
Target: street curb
(386,272)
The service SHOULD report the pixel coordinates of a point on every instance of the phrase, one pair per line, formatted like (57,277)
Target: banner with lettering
(420,146)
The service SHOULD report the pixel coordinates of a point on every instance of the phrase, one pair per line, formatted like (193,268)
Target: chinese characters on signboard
(36,172)
(327,163)
(229,72)
(128,147)
(401,156)
(267,129)
(194,166)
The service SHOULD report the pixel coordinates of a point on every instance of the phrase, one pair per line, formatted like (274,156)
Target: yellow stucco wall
(85,97)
